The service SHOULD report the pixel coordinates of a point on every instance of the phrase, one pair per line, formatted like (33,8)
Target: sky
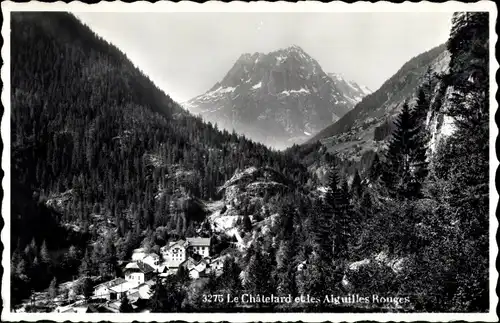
(185,54)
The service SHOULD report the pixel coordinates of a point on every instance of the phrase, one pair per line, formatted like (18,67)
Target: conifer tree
(258,279)
(286,268)
(85,270)
(44,253)
(182,275)
(406,165)
(342,224)
(421,108)
(321,225)
(375,170)
(247,223)
(356,186)
(53,288)
(158,298)
(230,277)
(125,306)
(86,287)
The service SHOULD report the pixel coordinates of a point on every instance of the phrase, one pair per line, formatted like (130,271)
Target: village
(141,274)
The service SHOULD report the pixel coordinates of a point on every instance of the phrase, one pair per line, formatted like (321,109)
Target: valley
(282,179)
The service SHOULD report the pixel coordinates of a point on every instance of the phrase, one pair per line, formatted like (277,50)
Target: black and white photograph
(249,161)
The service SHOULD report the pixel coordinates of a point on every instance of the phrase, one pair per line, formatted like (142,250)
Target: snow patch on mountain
(301,91)
(257,86)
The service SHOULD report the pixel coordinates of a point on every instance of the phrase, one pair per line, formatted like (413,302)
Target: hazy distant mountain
(279,98)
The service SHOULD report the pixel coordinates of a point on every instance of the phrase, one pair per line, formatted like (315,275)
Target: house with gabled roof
(152,259)
(195,268)
(113,289)
(200,246)
(217,264)
(176,252)
(138,272)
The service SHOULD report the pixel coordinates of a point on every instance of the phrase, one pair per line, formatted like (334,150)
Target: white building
(217,264)
(153,260)
(138,272)
(196,268)
(200,246)
(174,253)
(138,254)
(113,289)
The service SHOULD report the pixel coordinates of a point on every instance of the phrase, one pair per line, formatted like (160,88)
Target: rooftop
(112,283)
(199,241)
(152,255)
(170,244)
(139,266)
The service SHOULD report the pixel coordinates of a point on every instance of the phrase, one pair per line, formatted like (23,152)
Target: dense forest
(97,146)
(90,128)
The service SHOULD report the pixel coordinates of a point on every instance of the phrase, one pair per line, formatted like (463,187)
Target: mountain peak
(352,89)
(294,47)
(279,98)
(256,56)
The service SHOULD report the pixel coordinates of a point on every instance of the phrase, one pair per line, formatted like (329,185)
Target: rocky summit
(279,98)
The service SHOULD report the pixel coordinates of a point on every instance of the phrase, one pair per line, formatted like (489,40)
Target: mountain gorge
(279,98)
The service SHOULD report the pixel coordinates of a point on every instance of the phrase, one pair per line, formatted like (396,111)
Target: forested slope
(93,137)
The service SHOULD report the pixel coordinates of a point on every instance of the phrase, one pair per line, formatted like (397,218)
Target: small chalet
(113,289)
(138,272)
(217,264)
(152,259)
(200,246)
(195,268)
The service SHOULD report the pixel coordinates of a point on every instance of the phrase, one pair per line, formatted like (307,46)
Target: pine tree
(258,279)
(247,223)
(286,268)
(356,186)
(366,206)
(85,270)
(182,275)
(321,226)
(44,254)
(53,288)
(125,306)
(342,224)
(375,170)
(16,258)
(230,277)
(86,287)
(159,297)
(406,165)
(111,258)
(419,113)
